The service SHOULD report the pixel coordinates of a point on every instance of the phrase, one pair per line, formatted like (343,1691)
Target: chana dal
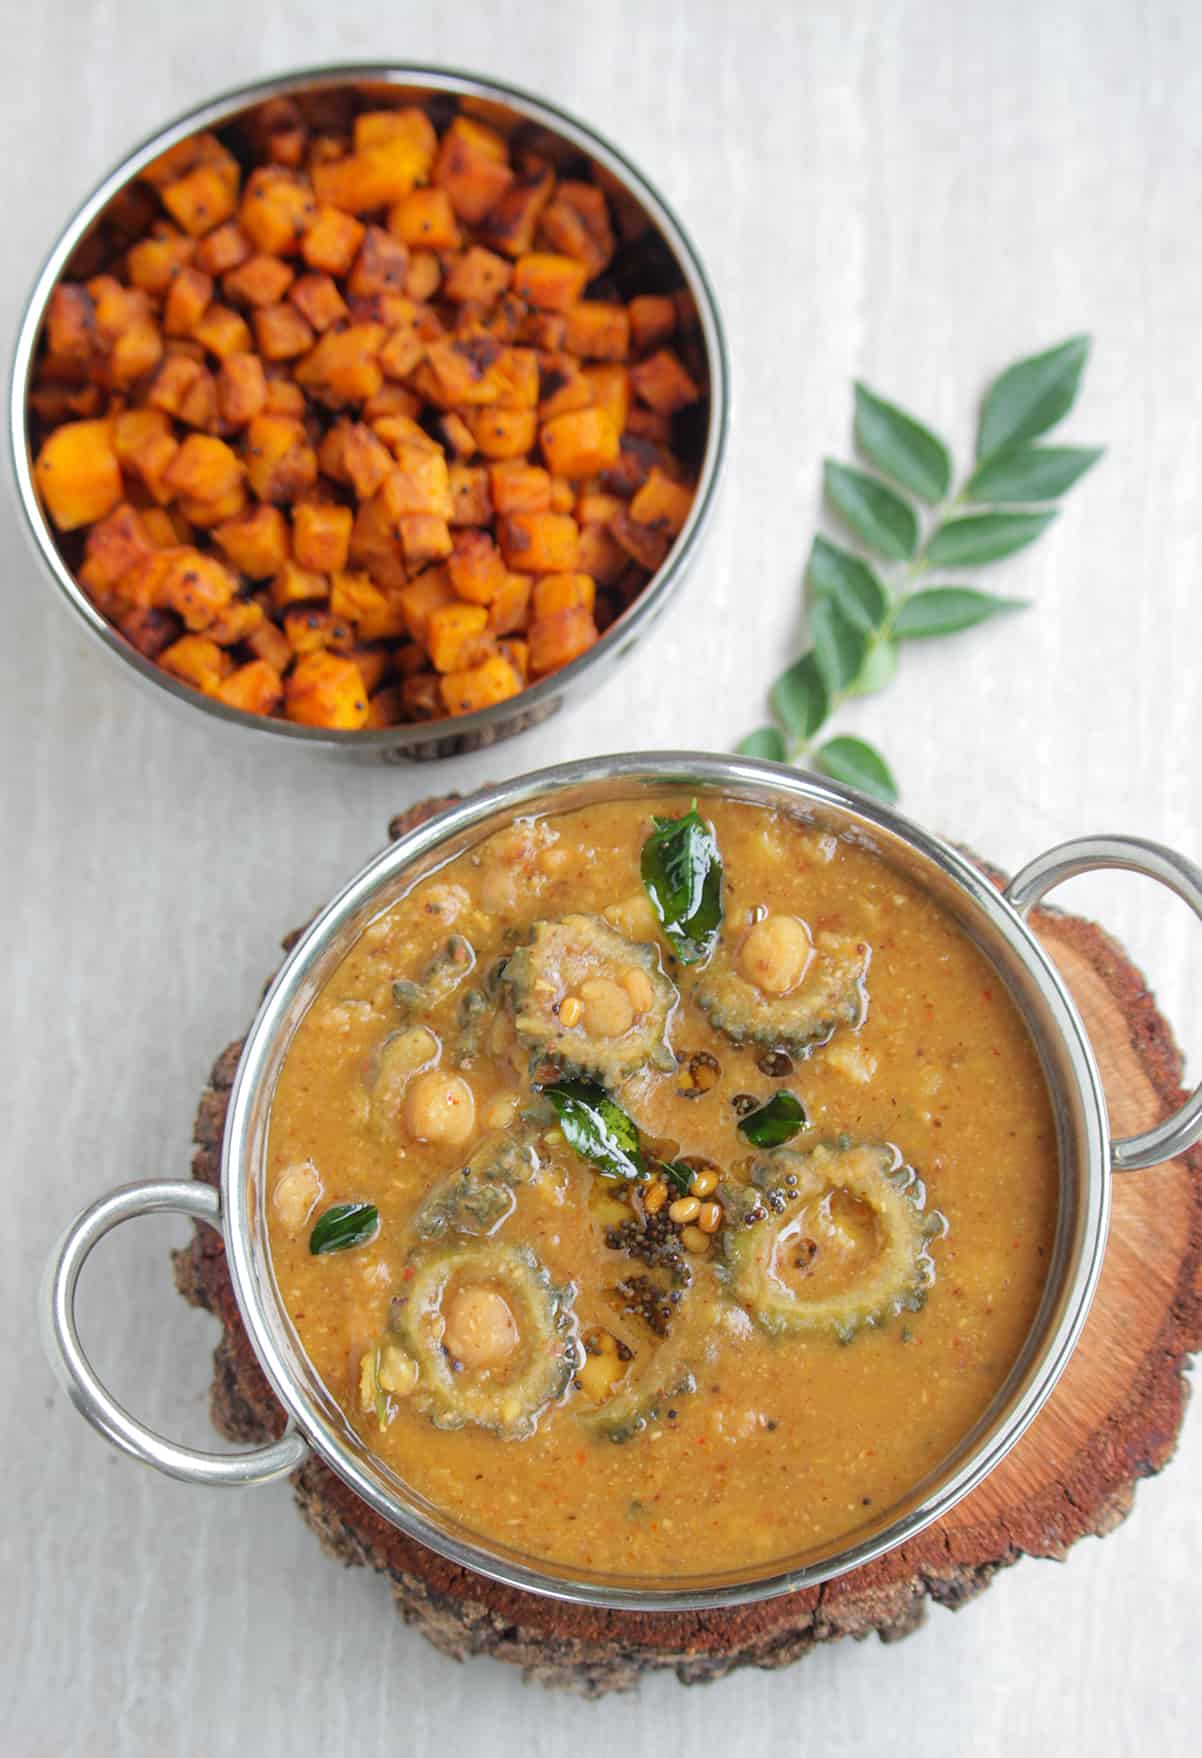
(662,1189)
(362,415)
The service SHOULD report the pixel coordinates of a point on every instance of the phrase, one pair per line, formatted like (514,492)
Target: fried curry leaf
(598,1128)
(343,1226)
(679,1176)
(774,1123)
(682,876)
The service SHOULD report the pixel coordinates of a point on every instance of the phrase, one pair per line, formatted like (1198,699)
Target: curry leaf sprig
(908,518)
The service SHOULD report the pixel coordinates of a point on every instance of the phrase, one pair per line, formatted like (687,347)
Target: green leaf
(840,646)
(858,765)
(800,699)
(682,875)
(849,582)
(902,447)
(1031,473)
(878,670)
(774,1123)
(945,610)
(1031,396)
(598,1129)
(764,742)
(679,1176)
(880,518)
(344,1225)
(985,537)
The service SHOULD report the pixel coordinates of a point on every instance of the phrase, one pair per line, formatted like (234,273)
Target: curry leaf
(902,447)
(879,516)
(859,765)
(840,646)
(945,610)
(598,1128)
(774,1123)
(1031,396)
(679,1176)
(343,1226)
(985,537)
(1030,473)
(764,742)
(800,699)
(682,876)
(878,670)
(849,582)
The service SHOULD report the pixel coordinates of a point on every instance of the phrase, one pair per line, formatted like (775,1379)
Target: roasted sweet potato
(77,473)
(323,689)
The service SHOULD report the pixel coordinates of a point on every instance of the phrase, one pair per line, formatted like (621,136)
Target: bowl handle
(1133,855)
(90,1397)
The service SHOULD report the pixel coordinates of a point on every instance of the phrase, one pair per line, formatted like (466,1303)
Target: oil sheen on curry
(662,1188)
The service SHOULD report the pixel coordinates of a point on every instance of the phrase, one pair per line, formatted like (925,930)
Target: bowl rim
(537,700)
(1054,1332)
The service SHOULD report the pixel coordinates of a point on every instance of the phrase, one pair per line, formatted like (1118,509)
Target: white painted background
(912,192)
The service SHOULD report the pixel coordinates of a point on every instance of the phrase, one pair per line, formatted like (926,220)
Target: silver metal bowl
(994,922)
(670,259)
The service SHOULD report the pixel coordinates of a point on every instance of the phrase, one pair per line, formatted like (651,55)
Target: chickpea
(296,1195)
(608,1009)
(440,1107)
(775,954)
(480,1329)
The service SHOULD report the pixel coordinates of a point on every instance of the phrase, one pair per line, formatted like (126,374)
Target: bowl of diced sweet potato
(380,408)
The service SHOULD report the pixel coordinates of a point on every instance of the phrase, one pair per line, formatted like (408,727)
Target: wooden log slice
(1113,1418)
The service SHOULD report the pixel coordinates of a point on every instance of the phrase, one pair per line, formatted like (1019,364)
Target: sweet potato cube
(366,462)
(71,330)
(241,389)
(477,275)
(563,495)
(283,397)
(199,406)
(222,331)
(648,545)
(649,424)
(517,379)
(260,280)
(150,631)
(518,655)
(200,200)
(296,585)
(374,178)
(503,433)
(280,462)
(321,536)
(309,627)
(276,210)
(475,567)
(598,330)
(270,643)
(197,588)
(145,445)
(471,496)
(580,444)
(564,388)
(256,543)
(479,686)
(510,609)
(199,662)
(113,545)
(376,545)
(450,629)
(77,474)
(652,320)
(391,399)
(549,281)
(135,353)
(377,615)
(115,307)
(386,707)
(424,538)
(318,300)
(539,543)
(557,639)
(172,382)
(402,353)
(412,125)
(152,262)
(425,220)
(281,333)
(421,598)
(236,622)
(518,487)
(563,592)
(204,468)
(577,223)
(326,690)
(662,503)
(600,554)
(343,368)
(472,167)
(458,374)
(331,243)
(513,221)
(145,583)
(457,435)
(156,522)
(380,266)
(662,383)
(418,483)
(255,688)
(223,249)
(611,392)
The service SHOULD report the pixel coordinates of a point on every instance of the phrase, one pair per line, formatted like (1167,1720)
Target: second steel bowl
(660,258)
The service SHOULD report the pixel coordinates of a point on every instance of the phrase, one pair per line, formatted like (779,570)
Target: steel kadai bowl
(995,922)
(655,256)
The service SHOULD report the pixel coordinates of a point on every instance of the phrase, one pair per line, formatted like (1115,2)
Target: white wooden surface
(914,193)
